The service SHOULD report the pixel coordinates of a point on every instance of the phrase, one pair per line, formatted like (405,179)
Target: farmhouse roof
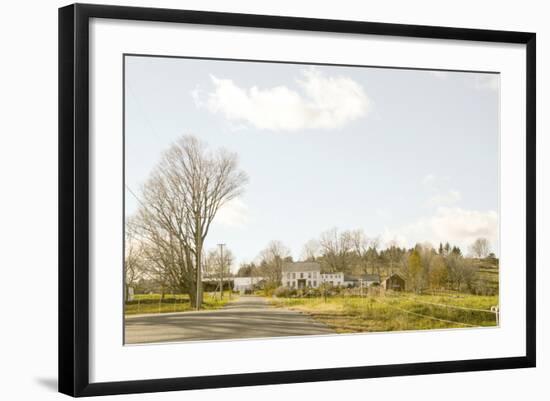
(301,267)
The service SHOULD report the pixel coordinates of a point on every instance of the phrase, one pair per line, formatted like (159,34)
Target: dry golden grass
(396,312)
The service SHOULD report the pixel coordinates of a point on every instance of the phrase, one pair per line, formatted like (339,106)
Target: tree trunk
(198,286)
(192,291)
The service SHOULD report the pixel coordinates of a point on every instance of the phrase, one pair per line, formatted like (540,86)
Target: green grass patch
(152,303)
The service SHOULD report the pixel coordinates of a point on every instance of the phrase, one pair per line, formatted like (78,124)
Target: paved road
(248,317)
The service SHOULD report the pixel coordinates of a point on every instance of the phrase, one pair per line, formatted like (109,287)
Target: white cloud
(454,225)
(233,214)
(445,198)
(439,196)
(447,222)
(323,102)
(464,225)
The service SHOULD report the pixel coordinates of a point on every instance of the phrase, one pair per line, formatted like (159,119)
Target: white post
(496,311)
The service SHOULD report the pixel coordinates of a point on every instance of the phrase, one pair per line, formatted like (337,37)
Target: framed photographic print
(296,199)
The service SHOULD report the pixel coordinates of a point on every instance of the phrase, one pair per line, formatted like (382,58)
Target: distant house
(308,274)
(394,282)
(333,279)
(243,284)
(301,274)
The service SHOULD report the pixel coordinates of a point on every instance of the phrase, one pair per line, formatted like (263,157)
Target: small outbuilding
(394,282)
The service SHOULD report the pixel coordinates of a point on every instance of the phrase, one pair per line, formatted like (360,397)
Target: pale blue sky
(404,154)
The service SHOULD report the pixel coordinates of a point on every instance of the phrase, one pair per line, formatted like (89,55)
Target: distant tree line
(354,253)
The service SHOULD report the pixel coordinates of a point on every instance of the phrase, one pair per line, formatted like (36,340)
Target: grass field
(152,303)
(395,312)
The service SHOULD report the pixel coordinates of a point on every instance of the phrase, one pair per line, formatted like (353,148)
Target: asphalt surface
(248,317)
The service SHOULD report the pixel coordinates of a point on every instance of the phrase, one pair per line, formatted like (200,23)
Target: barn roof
(394,275)
(301,267)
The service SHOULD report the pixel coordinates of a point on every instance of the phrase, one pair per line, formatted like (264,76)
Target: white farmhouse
(334,279)
(301,274)
(308,274)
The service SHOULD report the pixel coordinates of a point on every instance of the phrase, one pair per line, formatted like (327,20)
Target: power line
(134,195)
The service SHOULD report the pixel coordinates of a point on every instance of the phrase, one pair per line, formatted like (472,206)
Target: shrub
(284,292)
(312,292)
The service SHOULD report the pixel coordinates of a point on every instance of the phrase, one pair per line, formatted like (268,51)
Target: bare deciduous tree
(272,259)
(360,244)
(310,252)
(134,267)
(217,266)
(456,271)
(213,262)
(480,248)
(178,204)
(336,249)
(393,253)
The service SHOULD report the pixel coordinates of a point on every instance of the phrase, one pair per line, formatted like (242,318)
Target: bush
(335,290)
(312,292)
(284,292)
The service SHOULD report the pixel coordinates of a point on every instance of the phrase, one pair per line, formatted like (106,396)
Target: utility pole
(221,269)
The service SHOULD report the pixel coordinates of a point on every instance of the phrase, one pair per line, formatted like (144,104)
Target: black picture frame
(74,198)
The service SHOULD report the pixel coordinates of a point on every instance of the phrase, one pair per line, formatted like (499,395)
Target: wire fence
(153,305)
(423,315)
(495,310)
